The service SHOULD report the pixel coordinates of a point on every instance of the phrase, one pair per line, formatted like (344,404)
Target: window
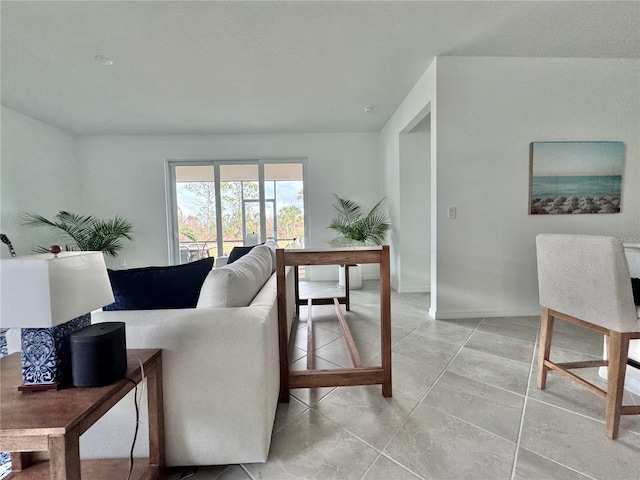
(215,205)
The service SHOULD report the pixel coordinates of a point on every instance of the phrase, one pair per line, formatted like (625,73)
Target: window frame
(173,233)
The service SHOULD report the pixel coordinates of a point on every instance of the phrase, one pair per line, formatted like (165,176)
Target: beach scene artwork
(575,177)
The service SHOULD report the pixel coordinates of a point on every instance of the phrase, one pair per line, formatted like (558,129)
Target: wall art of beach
(576,177)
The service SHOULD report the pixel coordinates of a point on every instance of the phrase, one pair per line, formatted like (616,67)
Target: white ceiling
(264,67)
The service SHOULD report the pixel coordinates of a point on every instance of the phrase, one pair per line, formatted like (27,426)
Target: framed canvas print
(575,177)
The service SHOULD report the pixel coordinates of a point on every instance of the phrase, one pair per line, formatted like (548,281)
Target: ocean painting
(575,177)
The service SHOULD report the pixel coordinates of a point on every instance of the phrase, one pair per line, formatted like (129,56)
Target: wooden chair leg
(546,332)
(617,351)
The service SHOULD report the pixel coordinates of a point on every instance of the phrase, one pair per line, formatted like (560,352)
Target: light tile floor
(465,404)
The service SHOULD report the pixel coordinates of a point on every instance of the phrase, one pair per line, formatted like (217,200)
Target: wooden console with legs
(359,374)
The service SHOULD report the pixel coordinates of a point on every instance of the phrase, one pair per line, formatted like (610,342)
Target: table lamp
(50,296)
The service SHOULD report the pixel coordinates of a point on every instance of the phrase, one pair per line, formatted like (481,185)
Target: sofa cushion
(151,288)
(237,284)
(238,252)
(272,246)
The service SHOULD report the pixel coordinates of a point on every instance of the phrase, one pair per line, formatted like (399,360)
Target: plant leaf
(87,232)
(351,223)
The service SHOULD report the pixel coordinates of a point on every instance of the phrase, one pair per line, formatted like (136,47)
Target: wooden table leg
(385,321)
(310,356)
(64,456)
(296,286)
(283,338)
(347,288)
(155,404)
(21,461)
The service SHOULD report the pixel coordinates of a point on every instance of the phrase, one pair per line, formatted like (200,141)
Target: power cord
(135,433)
(136,403)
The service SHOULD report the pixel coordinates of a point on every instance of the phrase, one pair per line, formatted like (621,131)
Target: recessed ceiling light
(104,60)
(368,108)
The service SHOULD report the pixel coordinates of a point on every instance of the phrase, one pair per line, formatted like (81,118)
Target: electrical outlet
(451,212)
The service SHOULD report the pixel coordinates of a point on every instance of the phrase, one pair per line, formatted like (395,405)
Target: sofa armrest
(221,381)
(220,371)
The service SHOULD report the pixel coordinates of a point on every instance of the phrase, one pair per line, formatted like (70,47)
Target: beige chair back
(587,277)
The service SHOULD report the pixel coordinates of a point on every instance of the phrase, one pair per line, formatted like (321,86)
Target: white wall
(38,173)
(420,102)
(489,110)
(484,113)
(125,175)
(415,214)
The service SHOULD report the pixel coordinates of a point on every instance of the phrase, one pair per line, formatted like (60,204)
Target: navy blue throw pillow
(635,286)
(152,288)
(238,252)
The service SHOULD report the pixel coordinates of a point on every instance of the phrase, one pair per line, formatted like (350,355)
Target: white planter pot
(355,277)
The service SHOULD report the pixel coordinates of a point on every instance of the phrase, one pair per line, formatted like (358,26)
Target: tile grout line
(560,464)
(524,409)
(247,471)
(364,474)
(431,386)
(579,414)
(350,433)
(446,367)
(404,467)
(380,451)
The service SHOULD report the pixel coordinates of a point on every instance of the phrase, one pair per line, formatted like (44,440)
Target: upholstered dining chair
(584,279)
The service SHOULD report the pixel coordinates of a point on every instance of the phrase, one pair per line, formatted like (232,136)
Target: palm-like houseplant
(87,232)
(351,222)
(357,228)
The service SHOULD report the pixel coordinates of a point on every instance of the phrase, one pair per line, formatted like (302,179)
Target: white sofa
(221,382)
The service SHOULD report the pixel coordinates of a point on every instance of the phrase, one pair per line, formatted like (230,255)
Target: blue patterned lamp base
(46,353)
(3,342)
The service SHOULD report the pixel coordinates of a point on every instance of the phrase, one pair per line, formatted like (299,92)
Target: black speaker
(98,354)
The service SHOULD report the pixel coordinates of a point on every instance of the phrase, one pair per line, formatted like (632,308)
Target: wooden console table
(54,420)
(359,374)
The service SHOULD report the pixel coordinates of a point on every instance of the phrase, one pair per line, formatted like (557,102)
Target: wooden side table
(359,374)
(53,421)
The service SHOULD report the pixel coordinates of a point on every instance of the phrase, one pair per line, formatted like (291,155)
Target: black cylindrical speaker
(98,354)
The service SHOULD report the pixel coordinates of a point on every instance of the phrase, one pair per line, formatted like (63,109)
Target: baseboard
(414,290)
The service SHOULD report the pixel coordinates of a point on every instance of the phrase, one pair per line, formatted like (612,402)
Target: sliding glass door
(215,205)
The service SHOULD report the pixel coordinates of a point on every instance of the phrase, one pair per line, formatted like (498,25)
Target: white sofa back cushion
(273,246)
(236,285)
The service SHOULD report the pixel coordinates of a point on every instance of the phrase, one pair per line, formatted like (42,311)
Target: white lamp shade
(44,291)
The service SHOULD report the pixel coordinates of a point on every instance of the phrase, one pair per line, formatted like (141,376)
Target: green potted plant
(357,228)
(85,231)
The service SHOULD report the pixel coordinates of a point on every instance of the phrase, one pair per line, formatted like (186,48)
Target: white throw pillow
(237,284)
(213,292)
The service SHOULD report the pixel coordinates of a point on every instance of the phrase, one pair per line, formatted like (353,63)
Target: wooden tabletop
(56,412)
